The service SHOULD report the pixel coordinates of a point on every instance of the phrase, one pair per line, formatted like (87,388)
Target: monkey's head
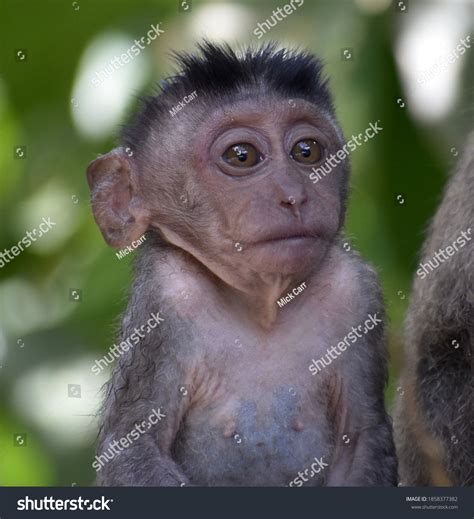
(219,164)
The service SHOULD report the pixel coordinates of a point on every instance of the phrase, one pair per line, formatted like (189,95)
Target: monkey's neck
(263,301)
(179,280)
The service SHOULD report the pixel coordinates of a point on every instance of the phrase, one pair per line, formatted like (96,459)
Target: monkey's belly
(253,449)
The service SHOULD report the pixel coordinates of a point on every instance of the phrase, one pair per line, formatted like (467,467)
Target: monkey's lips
(285,252)
(298,239)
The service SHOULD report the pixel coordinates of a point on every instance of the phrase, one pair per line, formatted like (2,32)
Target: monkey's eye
(242,155)
(306,151)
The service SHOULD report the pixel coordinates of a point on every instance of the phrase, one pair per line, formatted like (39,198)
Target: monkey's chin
(289,255)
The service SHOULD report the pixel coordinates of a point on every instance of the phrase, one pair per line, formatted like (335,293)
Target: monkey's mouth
(295,238)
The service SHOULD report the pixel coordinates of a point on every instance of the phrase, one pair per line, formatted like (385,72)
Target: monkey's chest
(260,417)
(263,442)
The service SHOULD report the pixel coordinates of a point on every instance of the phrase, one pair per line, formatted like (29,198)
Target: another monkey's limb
(447,389)
(435,416)
(433,425)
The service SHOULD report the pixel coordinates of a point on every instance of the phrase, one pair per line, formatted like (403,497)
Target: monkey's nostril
(293,202)
(290,200)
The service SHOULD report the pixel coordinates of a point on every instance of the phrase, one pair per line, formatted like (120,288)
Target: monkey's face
(239,188)
(255,205)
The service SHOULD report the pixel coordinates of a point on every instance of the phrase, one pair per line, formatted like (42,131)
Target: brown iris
(242,155)
(306,151)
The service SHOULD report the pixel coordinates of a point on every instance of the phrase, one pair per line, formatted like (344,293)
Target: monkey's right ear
(118,209)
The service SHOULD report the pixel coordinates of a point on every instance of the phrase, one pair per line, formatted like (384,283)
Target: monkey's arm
(142,464)
(364,451)
(144,459)
(364,448)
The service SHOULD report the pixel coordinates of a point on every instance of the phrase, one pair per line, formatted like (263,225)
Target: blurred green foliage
(41,327)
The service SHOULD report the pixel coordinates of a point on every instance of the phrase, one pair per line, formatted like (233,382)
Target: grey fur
(435,416)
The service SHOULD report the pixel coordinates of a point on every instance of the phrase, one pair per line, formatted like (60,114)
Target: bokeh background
(60,299)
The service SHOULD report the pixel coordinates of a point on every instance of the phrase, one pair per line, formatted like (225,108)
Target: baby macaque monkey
(268,366)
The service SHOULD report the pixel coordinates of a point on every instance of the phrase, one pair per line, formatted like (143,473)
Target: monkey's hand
(140,464)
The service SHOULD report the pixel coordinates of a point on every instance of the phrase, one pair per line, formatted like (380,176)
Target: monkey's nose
(294,202)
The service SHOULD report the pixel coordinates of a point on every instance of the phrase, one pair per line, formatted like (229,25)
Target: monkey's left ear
(118,210)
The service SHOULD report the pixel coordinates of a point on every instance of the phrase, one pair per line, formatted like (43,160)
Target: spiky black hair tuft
(219,72)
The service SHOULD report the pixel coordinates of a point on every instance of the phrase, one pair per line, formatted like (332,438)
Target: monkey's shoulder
(351,284)
(354,304)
